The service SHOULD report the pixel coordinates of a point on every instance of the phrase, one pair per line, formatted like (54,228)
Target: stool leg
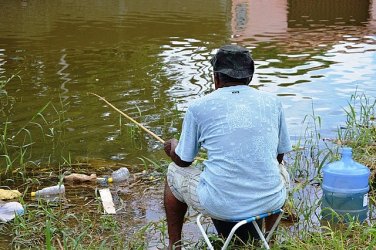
(229,237)
(241,223)
(198,220)
(261,235)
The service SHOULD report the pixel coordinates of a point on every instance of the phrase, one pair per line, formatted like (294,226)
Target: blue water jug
(345,189)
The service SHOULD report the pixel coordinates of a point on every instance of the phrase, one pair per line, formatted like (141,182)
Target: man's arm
(169,148)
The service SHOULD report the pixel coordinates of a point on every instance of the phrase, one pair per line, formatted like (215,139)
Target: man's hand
(169,146)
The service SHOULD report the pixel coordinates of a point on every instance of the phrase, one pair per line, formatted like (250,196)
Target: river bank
(78,220)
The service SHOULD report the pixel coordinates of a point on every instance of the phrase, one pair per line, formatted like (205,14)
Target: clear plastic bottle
(119,175)
(54,190)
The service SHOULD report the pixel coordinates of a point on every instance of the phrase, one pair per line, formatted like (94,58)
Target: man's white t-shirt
(243,131)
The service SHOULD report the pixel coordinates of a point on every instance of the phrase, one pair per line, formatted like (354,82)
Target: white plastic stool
(241,223)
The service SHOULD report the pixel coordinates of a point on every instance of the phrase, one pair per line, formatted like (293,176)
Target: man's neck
(230,84)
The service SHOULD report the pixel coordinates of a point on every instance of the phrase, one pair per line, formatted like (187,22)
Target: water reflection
(322,13)
(258,20)
(2,61)
(186,62)
(64,76)
(318,52)
(149,59)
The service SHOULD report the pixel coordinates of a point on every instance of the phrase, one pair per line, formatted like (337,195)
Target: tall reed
(16,144)
(308,233)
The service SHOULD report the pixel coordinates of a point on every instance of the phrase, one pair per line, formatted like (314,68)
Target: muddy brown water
(150,59)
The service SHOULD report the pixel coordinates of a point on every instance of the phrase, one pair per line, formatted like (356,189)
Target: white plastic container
(345,189)
(48,191)
(9,210)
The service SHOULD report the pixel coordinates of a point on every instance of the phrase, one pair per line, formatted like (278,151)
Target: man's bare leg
(175,212)
(269,221)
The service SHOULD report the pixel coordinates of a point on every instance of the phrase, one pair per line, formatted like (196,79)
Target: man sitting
(244,133)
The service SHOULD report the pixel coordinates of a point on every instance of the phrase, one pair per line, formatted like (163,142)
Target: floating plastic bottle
(119,175)
(345,189)
(48,191)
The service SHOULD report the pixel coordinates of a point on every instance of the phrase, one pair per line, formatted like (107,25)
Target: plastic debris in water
(9,194)
(122,174)
(80,177)
(48,191)
(9,210)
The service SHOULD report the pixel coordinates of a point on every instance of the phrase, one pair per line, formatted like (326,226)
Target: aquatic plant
(309,232)
(156,165)
(136,136)
(6,101)
(45,126)
(360,130)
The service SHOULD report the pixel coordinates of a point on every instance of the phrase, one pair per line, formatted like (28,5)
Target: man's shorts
(183,183)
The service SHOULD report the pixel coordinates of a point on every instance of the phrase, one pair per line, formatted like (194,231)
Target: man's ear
(250,79)
(216,80)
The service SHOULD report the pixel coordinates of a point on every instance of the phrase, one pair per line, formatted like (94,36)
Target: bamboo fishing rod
(130,118)
(134,121)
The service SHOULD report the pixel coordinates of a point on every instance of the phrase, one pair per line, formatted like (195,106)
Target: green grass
(359,133)
(352,236)
(52,226)
(360,130)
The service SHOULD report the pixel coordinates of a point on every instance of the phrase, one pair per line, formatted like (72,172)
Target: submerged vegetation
(46,126)
(63,224)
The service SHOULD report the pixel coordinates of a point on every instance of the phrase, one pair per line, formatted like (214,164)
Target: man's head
(232,65)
